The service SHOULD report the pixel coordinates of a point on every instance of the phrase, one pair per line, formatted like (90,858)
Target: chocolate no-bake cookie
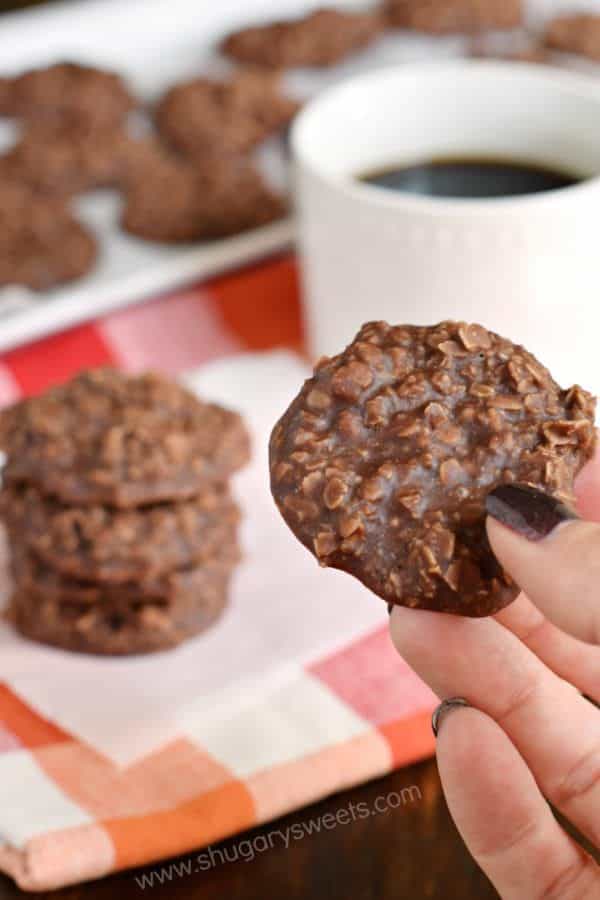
(72,93)
(37,578)
(41,244)
(143,156)
(145,626)
(106,437)
(67,158)
(454,16)
(100,543)
(321,38)
(207,117)
(578,33)
(382,463)
(176,201)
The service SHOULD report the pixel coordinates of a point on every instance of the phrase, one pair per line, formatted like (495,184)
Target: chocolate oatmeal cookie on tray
(454,16)
(66,159)
(42,245)
(382,463)
(173,201)
(578,33)
(70,93)
(207,117)
(322,38)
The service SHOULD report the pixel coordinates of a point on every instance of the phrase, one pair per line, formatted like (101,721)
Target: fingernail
(441,711)
(526,510)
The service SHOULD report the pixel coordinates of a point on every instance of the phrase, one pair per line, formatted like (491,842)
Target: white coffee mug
(527,267)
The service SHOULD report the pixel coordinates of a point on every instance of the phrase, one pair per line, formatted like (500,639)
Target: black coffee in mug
(466,177)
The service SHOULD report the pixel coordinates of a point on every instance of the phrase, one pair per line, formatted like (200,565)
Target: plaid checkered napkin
(107,764)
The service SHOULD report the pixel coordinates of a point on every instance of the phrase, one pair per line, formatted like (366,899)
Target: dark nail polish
(526,510)
(443,709)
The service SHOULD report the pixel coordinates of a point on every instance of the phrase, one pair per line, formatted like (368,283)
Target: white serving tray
(154,43)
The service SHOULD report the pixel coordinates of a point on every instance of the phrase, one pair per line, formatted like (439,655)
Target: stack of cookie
(122,527)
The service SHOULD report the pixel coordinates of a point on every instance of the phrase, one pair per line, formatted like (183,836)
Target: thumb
(552,555)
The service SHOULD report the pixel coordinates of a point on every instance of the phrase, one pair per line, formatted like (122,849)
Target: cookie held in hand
(382,463)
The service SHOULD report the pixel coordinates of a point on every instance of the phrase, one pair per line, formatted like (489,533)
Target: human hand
(525,732)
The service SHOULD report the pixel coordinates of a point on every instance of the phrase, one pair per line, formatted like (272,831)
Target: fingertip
(510,545)
(563,564)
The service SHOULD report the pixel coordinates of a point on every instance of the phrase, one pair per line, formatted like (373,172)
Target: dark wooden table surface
(412,852)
